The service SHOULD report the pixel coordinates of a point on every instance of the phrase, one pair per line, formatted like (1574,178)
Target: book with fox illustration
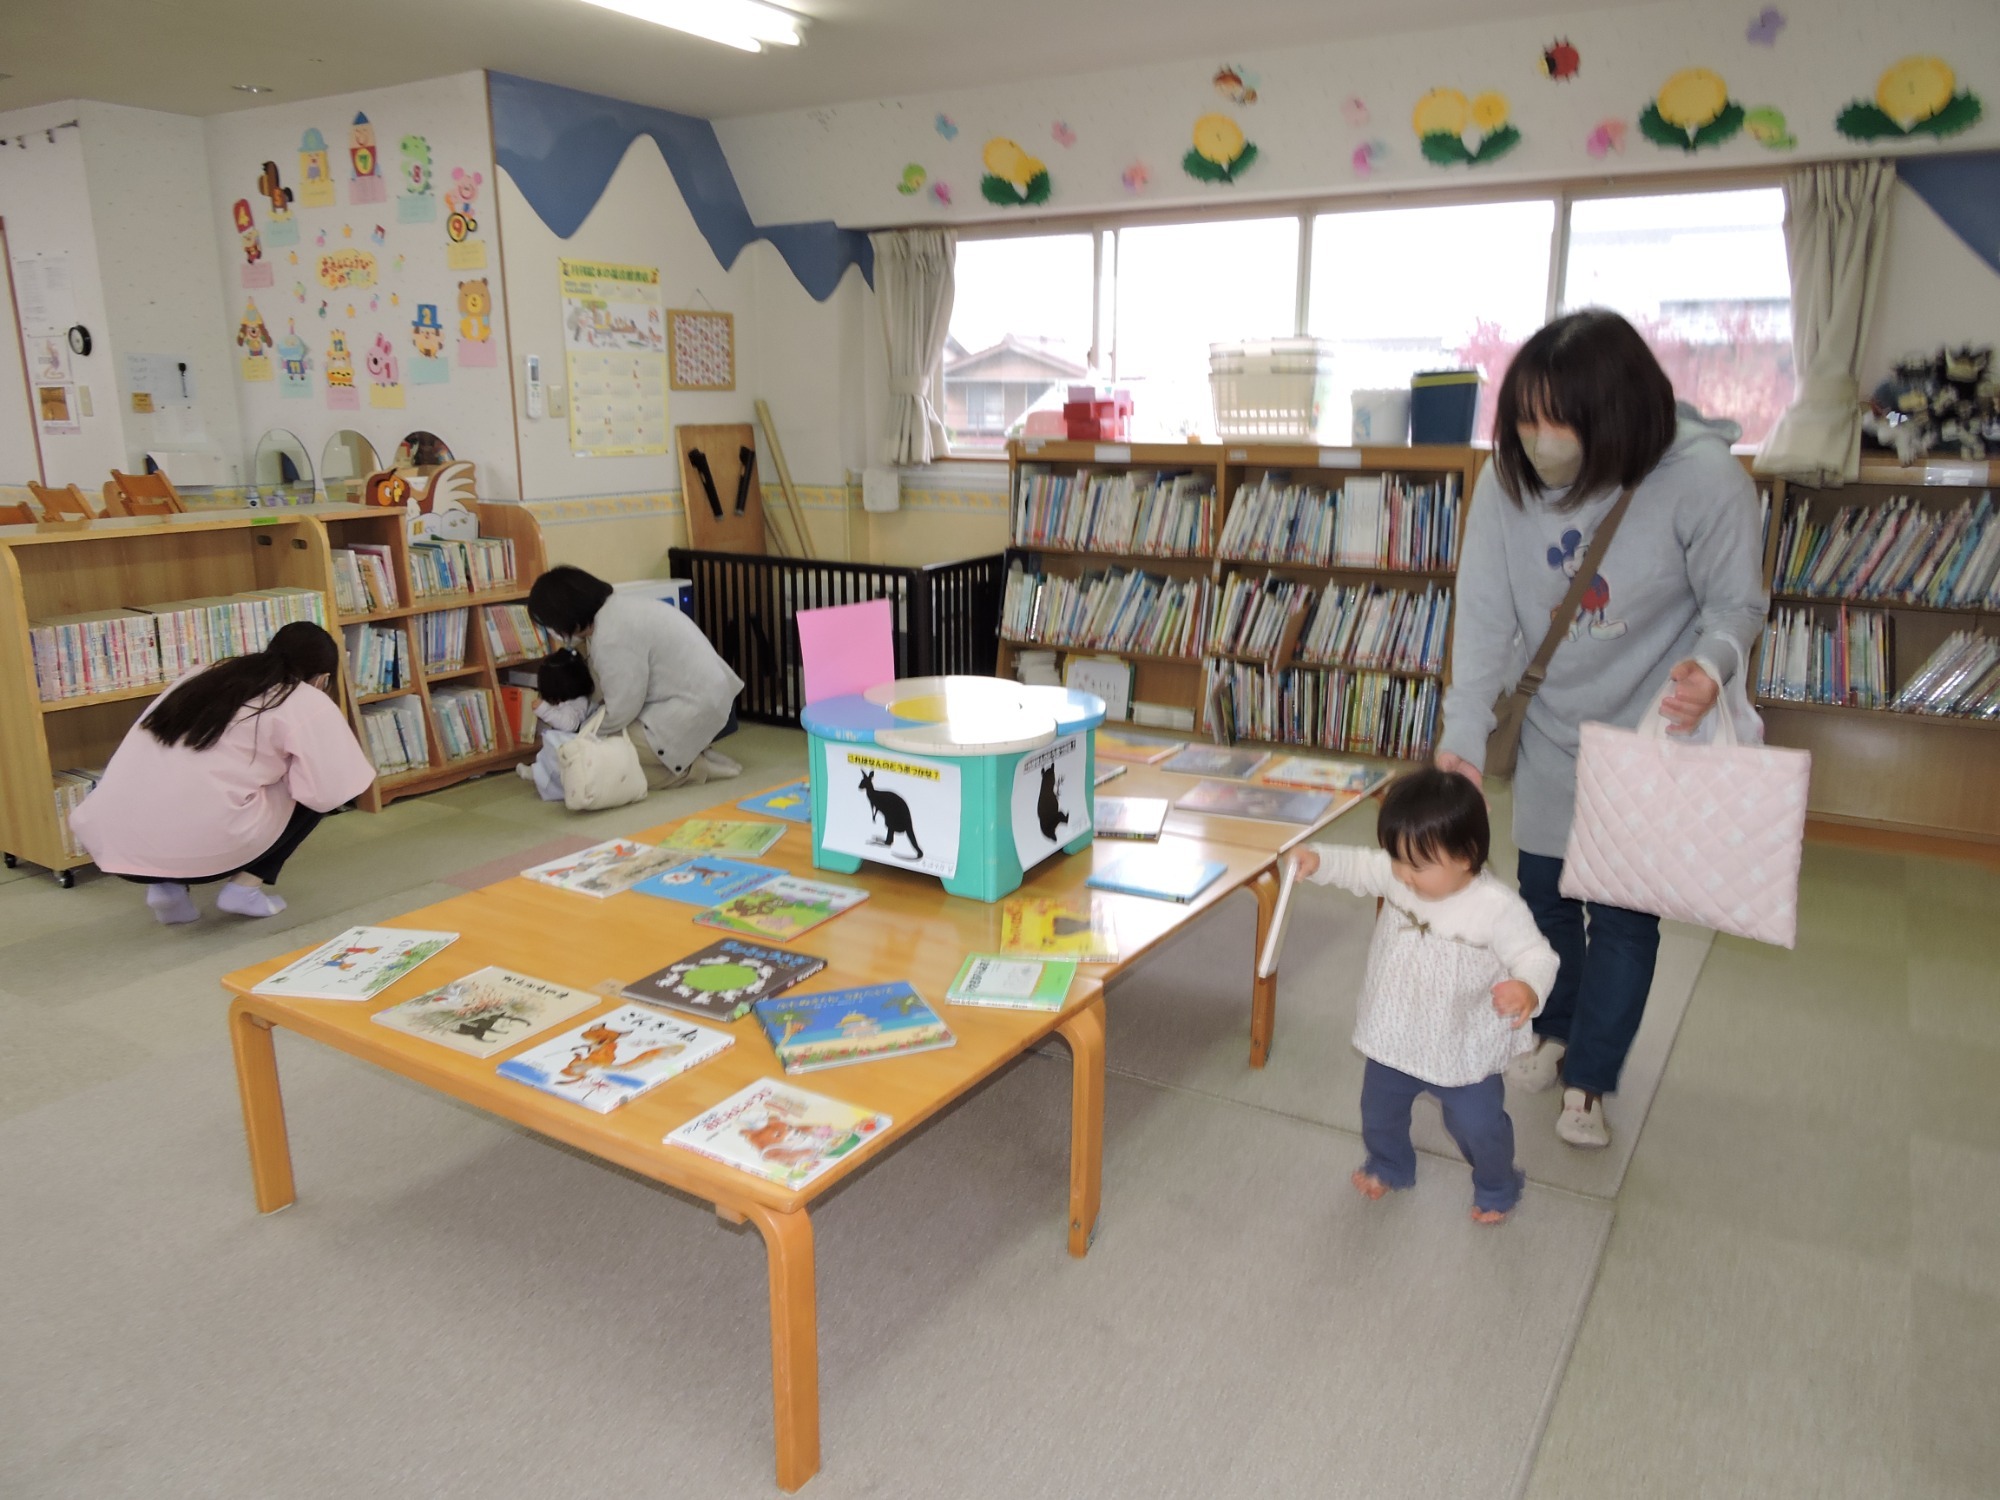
(618,1056)
(780,1133)
(833,1028)
(487,1011)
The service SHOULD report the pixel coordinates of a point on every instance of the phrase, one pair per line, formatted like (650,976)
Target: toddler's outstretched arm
(1364,872)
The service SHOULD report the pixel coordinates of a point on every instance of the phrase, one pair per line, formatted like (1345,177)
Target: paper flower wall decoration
(1013,178)
(1763,32)
(1365,156)
(1768,129)
(1062,135)
(1457,132)
(1135,177)
(1693,110)
(1220,152)
(947,127)
(942,192)
(1237,85)
(1606,139)
(1917,96)
(912,180)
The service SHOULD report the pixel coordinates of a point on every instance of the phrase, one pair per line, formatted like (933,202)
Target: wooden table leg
(1084,1031)
(263,1109)
(788,1249)
(1263,992)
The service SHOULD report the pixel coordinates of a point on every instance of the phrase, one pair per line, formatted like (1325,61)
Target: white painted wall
(471,412)
(1934,292)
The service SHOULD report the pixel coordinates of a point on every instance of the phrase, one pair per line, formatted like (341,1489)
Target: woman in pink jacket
(223,777)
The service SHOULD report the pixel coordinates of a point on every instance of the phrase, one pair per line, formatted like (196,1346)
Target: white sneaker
(720,766)
(1582,1121)
(1536,1072)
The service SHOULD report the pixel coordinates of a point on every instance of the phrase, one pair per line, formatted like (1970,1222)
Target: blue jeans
(1476,1116)
(1607,970)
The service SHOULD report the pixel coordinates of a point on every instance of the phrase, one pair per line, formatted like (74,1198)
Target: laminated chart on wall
(615,345)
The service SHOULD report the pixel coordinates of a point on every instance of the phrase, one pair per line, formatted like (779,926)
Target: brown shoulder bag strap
(1565,615)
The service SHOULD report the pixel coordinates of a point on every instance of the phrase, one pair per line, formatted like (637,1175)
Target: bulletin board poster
(615,345)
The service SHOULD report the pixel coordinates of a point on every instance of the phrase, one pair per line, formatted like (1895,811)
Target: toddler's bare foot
(1369,1186)
(1488,1216)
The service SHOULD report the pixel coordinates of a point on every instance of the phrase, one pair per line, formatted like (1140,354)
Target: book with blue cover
(1162,873)
(707,880)
(792,802)
(835,1027)
(616,1057)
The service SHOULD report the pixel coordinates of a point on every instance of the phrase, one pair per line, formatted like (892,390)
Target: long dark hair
(197,712)
(566,600)
(1589,371)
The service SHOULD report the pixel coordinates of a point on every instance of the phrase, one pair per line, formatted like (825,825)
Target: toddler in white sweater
(1456,969)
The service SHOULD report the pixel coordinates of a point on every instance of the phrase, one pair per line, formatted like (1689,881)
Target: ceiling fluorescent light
(747,25)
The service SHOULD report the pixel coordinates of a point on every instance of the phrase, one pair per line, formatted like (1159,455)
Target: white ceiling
(184,55)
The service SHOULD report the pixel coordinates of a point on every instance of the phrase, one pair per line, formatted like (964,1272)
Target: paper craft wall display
(385,377)
(892,808)
(315,174)
(1607,139)
(417,203)
(365,185)
(912,181)
(1013,178)
(386,489)
(1220,152)
(340,392)
(701,350)
(463,252)
(1561,61)
(442,503)
(1917,96)
(1051,802)
(428,365)
(280,228)
(340,269)
(294,363)
(1768,129)
(1454,131)
(475,325)
(1692,110)
(254,339)
(1237,85)
(256,270)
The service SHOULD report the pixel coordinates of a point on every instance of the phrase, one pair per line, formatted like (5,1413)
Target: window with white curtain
(1021,320)
(1703,277)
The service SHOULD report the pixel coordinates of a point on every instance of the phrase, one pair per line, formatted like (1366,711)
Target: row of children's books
(1961,678)
(378,658)
(1383,521)
(1122,610)
(106,650)
(71,787)
(441,638)
(1896,550)
(512,632)
(1160,515)
(446,566)
(364,578)
(392,732)
(1361,625)
(1841,659)
(1367,713)
(464,721)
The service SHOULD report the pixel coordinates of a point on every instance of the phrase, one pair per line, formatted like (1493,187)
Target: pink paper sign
(848,648)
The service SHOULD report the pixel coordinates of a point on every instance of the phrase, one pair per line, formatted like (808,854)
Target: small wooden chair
(57,503)
(146,494)
(18,515)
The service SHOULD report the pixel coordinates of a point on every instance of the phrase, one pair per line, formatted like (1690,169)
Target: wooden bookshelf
(60,569)
(1180,682)
(1926,774)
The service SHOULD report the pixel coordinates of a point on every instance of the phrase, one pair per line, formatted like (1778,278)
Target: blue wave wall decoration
(562,145)
(1964,190)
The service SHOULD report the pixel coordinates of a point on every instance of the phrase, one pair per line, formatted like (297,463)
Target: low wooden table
(908,929)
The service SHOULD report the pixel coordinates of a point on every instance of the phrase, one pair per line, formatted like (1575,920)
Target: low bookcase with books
(1882,653)
(1276,592)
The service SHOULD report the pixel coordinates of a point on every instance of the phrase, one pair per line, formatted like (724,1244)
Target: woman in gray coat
(655,670)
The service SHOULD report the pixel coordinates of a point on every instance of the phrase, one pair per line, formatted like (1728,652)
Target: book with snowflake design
(722,981)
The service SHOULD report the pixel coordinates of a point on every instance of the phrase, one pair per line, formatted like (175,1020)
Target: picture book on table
(1129,744)
(783,908)
(1011,982)
(1165,874)
(358,965)
(1324,775)
(722,981)
(1105,773)
(1270,804)
(605,869)
(616,1057)
(792,802)
(1131,817)
(832,1028)
(1075,927)
(487,1011)
(1216,760)
(706,879)
(780,1133)
(723,836)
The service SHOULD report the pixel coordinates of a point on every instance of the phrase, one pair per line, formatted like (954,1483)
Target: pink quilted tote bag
(1703,833)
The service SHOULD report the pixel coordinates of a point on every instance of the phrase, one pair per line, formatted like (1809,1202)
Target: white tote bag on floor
(599,773)
(1709,833)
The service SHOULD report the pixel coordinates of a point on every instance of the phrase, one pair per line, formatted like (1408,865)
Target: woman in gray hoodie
(1585,412)
(655,670)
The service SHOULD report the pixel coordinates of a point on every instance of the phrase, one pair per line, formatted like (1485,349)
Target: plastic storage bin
(1443,404)
(1381,418)
(1270,388)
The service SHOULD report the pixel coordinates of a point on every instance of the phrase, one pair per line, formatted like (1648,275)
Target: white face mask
(1557,456)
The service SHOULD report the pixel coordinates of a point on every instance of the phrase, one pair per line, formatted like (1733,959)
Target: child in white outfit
(564,684)
(1456,969)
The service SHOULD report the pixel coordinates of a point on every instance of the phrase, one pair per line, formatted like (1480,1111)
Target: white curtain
(1836,236)
(913,284)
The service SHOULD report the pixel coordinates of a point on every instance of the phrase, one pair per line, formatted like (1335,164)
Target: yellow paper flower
(1691,98)
(1007,161)
(1218,138)
(1440,112)
(1915,89)
(1489,111)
